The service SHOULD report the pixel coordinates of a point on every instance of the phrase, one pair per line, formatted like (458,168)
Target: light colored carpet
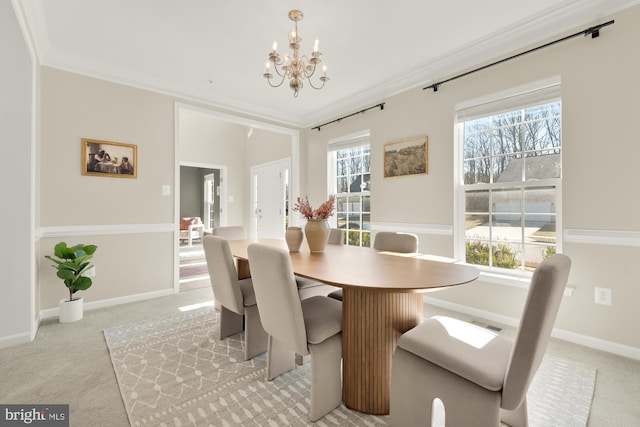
(174,371)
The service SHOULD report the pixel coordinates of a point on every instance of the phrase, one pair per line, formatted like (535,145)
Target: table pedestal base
(372,323)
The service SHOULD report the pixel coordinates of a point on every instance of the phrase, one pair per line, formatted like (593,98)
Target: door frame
(294,171)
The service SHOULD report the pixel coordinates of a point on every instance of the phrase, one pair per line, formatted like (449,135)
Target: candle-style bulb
(315,46)
(275,46)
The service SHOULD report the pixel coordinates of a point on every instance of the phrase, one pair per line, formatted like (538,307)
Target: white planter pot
(70,311)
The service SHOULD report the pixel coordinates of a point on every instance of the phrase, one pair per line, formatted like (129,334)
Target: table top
(348,266)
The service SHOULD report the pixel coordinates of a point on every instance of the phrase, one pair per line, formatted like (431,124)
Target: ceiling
(214,51)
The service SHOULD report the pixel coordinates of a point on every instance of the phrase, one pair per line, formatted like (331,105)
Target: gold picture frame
(407,157)
(111,159)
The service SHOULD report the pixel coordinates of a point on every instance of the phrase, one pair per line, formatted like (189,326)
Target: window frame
(358,139)
(512,100)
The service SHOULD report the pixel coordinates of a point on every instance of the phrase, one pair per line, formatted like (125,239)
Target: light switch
(166,190)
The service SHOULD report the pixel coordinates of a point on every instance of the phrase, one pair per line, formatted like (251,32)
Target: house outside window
(509,181)
(350,182)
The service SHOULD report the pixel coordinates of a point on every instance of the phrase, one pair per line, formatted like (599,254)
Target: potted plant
(72,264)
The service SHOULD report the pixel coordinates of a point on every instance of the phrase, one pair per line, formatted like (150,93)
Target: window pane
(476,144)
(540,200)
(542,111)
(476,171)
(341,185)
(341,167)
(476,125)
(507,140)
(507,168)
(366,204)
(506,119)
(477,201)
(506,255)
(505,201)
(477,252)
(539,165)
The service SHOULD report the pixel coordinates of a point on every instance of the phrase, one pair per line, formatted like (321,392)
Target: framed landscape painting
(407,157)
(112,159)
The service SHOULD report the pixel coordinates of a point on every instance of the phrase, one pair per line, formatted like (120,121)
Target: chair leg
(416,383)
(231,323)
(326,376)
(255,338)
(280,358)
(516,418)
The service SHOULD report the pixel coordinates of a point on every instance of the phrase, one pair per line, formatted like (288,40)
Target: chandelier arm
(275,67)
(319,87)
(279,84)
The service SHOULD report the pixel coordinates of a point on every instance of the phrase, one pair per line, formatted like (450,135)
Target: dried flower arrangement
(323,212)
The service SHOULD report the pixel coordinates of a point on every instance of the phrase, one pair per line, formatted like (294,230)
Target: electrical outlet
(603,296)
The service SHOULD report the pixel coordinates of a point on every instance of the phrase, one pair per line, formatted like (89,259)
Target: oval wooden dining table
(382,299)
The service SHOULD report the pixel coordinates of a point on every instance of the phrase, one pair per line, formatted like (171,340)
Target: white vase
(294,238)
(70,311)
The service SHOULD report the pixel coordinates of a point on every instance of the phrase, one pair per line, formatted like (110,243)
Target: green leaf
(90,249)
(60,249)
(83,283)
(65,274)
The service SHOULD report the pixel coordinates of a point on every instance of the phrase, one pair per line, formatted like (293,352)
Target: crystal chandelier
(295,68)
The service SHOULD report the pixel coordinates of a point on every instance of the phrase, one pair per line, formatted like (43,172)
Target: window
(510,176)
(350,182)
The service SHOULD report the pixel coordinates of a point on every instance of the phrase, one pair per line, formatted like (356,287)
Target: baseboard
(13,340)
(53,312)
(572,337)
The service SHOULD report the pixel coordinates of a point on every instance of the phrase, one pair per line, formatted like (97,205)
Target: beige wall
(599,97)
(120,214)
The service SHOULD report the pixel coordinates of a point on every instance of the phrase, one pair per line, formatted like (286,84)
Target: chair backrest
(277,296)
(395,242)
(222,272)
(336,236)
(538,316)
(232,232)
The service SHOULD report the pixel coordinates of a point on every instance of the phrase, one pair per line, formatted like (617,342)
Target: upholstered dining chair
(389,241)
(231,232)
(393,241)
(238,309)
(479,376)
(312,326)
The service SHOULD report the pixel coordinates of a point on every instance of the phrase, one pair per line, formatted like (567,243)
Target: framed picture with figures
(111,159)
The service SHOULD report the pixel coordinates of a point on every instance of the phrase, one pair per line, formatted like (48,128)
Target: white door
(268,200)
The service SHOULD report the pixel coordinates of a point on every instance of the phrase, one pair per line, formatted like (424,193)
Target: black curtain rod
(381,105)
(592,31)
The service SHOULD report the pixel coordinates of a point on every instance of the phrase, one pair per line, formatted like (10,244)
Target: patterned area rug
(174,371)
